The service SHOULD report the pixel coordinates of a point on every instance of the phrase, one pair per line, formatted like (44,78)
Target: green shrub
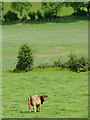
(51,9)
(25,58)
(80,13)
(39,15)
(32,15)
(48,14)
(60,63)
(79,64)
(10,16)
(24,18)
(45,65)
(57,63)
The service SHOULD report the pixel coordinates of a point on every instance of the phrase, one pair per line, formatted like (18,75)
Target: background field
(67,90)
(49,41)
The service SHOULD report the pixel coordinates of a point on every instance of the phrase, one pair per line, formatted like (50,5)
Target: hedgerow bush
(10,16)
(79,64)
(24,18)
(60,63)
(25,58)
(45,65)
(47,14)
(57,63)
(39,15)
(80,13)
(32,15)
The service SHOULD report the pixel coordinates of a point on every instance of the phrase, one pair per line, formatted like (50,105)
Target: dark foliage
(10,16)
(39,15)
(60,63)
(25,58)
(24,18)
(78,64)
(80,13)
(21,8)
(51,9)
(47,14)
(32,15)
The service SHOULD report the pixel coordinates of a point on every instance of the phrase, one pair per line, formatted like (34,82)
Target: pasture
(67,90)
(49,41)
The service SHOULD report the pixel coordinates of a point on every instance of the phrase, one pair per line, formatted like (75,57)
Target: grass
(49,41)
(67,91)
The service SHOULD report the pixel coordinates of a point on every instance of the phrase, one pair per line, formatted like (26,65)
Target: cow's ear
(46,95)
(43,96)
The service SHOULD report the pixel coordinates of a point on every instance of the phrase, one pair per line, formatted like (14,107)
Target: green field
(49,41)
(67,90)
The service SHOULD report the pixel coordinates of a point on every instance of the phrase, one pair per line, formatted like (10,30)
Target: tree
(2,6)
(39,14)
(51,9)
(25,58)
(74,5)
(21,7)
(32,15)
(88,7)
(78,5)
(10,16)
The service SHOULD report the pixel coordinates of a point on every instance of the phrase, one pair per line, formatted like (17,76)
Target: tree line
(22,10)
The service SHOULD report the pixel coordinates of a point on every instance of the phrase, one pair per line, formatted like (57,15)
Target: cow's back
(35,100)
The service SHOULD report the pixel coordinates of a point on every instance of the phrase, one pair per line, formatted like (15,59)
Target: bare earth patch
(59,47)
(48,52)
(52,52)
(44,55)
(19,24)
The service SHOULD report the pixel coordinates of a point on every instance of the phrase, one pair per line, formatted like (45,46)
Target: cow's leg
(29,108)
(39,107)
(34,107)
(29,104)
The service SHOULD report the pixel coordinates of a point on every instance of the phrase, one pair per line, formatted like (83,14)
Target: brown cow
(36,101)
